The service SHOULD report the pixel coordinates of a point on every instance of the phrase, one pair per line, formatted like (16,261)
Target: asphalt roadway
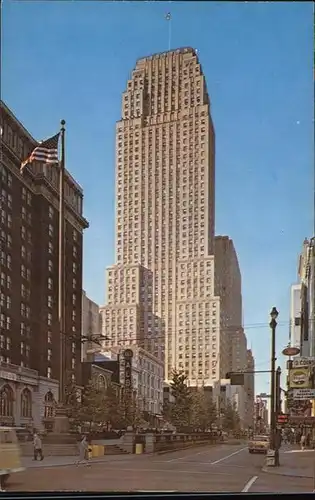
(221,468)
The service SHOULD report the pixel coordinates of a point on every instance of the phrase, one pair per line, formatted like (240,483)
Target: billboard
(299,378)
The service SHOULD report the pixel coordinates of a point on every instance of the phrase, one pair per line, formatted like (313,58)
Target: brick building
(29,329)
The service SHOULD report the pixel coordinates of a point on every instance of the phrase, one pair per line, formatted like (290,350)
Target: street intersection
(222,468)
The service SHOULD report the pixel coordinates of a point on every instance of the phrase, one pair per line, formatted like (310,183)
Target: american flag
(45,152)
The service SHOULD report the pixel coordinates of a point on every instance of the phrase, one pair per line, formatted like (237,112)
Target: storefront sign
(301,420)
(299,378)
(291,351)
(303,362)
(304,394)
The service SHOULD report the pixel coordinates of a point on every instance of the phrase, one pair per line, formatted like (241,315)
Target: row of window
(7,401)
(5,321)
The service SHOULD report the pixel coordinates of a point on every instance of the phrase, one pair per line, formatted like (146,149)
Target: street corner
(285,472)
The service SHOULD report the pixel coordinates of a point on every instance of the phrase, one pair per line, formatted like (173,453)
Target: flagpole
(61,270)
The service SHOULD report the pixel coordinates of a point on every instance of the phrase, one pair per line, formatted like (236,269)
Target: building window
(49,401)
(101,383)
(26,403)
(6,401)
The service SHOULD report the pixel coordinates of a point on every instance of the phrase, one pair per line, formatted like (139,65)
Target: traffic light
(235,378)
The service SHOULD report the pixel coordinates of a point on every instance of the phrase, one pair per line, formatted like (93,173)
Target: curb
(69,464)
(192,446)
(163,452)
(271,471)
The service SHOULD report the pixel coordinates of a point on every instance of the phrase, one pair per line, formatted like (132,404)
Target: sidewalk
(29,463)
(294,463)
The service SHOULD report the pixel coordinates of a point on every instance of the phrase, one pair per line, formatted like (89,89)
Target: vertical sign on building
(128,355)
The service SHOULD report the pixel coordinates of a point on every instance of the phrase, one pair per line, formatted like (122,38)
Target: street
(222,468)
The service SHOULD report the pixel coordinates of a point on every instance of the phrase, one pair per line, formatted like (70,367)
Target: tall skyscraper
(228,285)
(161,289)
(91,326)
(250,390)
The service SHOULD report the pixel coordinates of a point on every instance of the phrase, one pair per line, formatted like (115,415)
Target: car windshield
(261,438)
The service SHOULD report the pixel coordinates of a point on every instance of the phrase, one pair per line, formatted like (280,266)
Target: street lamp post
(273,444)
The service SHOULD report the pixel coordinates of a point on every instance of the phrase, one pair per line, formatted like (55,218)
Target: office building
(161,288)
(228,286)
(91,328)
(307,278)
(295,316)
(29,327)
(261,416)
(147,378)
(250,390)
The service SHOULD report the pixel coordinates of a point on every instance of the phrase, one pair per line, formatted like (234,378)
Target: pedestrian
(83,451)
(303,439)
(38,450)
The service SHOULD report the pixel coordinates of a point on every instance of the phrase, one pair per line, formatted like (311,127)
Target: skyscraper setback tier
(161,290)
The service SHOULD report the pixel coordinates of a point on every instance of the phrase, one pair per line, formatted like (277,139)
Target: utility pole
(273,325)
(278,391)
(277,412)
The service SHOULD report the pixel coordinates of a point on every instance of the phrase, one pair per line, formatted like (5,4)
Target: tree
(131,410)
(180,409)
(93,406)
(203,410)
(113,407)
(231,419)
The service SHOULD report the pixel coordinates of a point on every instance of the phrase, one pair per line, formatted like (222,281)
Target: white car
(259,444)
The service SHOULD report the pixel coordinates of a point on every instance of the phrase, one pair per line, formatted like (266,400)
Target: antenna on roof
(168,18)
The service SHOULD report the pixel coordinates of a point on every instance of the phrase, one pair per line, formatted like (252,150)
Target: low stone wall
(154,443)
(179,441)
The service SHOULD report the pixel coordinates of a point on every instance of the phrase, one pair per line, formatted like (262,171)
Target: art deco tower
(161,289)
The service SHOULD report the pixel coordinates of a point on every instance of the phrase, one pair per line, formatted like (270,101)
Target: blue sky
(72,59)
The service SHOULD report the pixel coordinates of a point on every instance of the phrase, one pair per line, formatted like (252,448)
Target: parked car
(10,455)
